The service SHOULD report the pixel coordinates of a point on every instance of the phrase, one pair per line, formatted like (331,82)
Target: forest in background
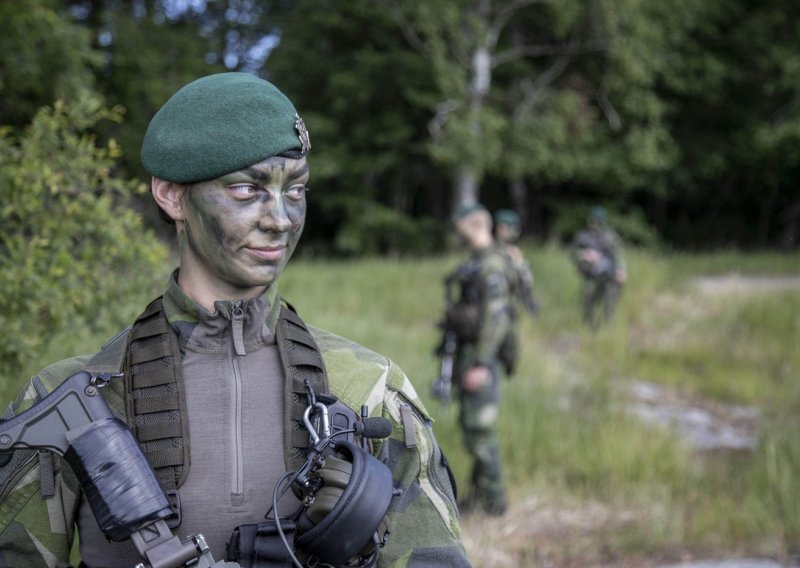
(681,117)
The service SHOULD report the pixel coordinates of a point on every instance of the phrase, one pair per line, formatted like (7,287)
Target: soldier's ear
(169,197)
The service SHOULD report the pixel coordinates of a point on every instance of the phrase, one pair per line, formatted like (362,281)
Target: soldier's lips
(275,252)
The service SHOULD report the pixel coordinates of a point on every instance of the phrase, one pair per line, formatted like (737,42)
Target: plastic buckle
(174,498)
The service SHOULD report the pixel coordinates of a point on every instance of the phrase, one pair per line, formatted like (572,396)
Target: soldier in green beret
(216,369)
(598,256)
(507,229)
(481,320)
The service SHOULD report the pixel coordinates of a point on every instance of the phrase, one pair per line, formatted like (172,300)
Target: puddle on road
(706,425)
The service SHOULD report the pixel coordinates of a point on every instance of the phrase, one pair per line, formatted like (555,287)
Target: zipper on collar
(237,327)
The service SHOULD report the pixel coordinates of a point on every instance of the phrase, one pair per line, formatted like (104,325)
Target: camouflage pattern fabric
(38,532)
(601,291)
(520,277)
(599,299)
(479,410)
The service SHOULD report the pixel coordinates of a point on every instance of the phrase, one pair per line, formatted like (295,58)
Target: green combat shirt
(495,315)
(40,497)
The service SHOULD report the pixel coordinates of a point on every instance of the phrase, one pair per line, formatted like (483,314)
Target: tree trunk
(519,199)
(465,190)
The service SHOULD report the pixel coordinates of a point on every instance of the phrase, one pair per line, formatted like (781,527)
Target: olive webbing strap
(154,395)
(156,401)
(301,361)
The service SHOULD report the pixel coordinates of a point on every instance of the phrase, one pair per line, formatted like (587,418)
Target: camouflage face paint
(239,230)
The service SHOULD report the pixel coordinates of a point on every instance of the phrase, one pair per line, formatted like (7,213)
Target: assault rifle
(592,260)
(458,285)
(75,422)
(127,500)
(442,388)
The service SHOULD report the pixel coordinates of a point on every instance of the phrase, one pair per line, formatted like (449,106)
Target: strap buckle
(100,380)
(174,498)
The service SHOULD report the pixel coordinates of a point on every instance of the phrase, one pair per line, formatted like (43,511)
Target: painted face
(507,233)
(239,230)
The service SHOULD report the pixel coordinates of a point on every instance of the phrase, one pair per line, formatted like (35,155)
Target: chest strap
(156,400)
(155,397)
(302,362)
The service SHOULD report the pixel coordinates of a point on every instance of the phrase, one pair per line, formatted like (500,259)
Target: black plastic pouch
(260,545)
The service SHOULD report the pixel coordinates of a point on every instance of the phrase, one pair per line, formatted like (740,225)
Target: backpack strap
(301,361)
(155,397)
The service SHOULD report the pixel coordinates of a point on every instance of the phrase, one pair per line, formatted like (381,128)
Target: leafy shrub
(377,229)
(71,249)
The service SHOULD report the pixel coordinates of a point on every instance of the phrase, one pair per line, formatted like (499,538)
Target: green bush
(377,229)
(71,247)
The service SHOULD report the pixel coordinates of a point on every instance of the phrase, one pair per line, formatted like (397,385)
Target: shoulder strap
(154,395)
(301,361)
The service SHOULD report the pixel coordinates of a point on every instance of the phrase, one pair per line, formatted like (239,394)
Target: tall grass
(565,433)
(564,430)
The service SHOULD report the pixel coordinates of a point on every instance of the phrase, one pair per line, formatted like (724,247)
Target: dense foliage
(682,117)
(70,244)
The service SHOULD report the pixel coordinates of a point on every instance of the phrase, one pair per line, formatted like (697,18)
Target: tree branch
(443,110)
(542,50)
(533,90)
(407,29)
(611,114)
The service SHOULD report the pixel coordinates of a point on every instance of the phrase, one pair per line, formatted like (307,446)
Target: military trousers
(600,297)
(478,416)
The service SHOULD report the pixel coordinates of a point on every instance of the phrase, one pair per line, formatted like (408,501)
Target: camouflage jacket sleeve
(423,519)
(495,316)
(617,252)
(38,491)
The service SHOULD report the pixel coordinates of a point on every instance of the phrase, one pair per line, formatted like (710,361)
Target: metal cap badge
(302,134)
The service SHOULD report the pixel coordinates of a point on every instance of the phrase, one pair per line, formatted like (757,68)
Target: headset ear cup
(335,477)
(349,526)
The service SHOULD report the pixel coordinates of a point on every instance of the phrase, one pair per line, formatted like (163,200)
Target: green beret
(466,210)
(506,217)
(598,213)
(219,124)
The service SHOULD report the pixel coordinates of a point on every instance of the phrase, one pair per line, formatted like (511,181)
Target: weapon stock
(70,421)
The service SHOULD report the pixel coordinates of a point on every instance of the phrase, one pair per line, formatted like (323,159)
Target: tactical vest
(154,397)
(463,299)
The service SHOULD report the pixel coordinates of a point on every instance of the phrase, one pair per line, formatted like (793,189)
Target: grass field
(568,442)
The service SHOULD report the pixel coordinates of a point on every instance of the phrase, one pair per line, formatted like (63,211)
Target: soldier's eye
(296,193)
(243,190)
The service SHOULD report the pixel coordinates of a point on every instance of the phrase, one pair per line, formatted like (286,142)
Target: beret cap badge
(302,134)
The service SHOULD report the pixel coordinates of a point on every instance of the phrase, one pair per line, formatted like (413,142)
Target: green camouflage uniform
(479,410)
(40,496)
(520,277)
(601,289)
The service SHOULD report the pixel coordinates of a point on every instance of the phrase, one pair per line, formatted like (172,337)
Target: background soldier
(228,158)
(506,230)
(598,255)
(481,320)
